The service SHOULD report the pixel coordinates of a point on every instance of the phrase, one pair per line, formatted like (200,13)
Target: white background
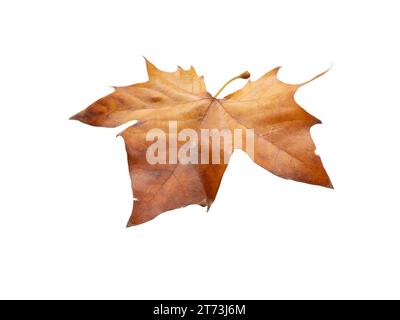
(65,189)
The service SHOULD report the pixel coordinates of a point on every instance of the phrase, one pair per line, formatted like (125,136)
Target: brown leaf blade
(282,140)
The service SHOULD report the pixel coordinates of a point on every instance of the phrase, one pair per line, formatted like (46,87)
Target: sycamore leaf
(172,166)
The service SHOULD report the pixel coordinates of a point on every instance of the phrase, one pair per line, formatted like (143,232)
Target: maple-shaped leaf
(171,107)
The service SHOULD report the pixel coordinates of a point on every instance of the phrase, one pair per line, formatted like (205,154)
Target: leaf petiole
(243,75)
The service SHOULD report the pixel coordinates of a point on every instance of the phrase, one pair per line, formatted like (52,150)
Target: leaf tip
(151,68)
(132,222)
(276,70)
(330,185)
(317,76)
(129,224)
(75,117)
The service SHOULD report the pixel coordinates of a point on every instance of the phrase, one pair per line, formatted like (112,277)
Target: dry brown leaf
(282,140)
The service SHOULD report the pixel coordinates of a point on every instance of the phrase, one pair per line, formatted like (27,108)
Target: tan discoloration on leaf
(282,140)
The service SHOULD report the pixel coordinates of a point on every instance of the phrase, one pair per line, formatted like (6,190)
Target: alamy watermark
(189,146)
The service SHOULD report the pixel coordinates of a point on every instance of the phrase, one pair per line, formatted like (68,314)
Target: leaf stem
(243,75)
